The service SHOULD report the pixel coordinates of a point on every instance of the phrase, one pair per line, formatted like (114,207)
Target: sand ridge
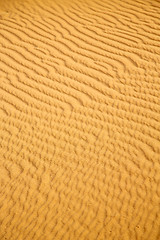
(79,120)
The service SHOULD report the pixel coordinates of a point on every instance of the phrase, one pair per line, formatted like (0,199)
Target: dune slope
(79,120)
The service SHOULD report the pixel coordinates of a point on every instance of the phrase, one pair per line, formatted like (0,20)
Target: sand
(79,120)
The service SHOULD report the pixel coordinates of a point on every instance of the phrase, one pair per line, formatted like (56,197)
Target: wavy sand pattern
(79,120)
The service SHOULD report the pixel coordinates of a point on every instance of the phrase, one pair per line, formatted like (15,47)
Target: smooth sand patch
(79,120)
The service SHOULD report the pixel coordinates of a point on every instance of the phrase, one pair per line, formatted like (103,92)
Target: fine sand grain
(79,120)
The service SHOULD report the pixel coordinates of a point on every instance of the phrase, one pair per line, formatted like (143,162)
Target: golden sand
(79,120)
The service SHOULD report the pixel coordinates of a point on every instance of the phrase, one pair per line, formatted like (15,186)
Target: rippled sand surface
(79,120)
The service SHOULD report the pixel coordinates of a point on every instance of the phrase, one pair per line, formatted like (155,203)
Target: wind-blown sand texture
(79,120)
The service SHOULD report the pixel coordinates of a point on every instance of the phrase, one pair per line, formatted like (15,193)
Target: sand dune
(79,120)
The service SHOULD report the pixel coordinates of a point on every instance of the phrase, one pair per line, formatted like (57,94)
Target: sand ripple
(79,120)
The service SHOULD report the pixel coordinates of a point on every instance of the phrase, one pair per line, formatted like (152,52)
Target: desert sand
(79,120)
